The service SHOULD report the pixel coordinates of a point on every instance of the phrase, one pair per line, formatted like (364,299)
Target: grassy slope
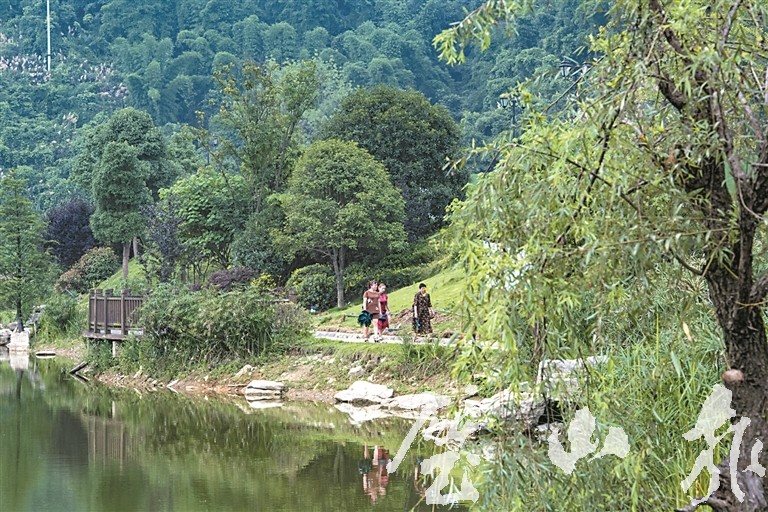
(444,289)
(135,277)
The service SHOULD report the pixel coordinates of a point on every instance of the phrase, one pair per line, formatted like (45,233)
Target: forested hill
(159,55)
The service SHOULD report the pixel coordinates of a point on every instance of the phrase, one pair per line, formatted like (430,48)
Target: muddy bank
(315,372)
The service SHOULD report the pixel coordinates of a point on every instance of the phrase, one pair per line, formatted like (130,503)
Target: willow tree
(664,156)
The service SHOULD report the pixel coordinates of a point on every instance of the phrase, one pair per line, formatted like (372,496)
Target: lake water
(71,446)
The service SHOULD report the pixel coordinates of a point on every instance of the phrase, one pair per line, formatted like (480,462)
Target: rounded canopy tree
(339,200)
(413,139)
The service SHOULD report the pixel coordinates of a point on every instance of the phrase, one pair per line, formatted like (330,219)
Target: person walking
(384,312)
(422,311)
(371,306)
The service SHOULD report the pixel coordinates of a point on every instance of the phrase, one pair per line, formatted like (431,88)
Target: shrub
(184,330)
(315,286)
(60,316)
(290,321)
(93,267)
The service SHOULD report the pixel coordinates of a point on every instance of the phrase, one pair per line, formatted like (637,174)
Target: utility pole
(48,12)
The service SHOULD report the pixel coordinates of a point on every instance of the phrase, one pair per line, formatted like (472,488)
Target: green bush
(60,316)
(93,267)
(185,330)
(315,286)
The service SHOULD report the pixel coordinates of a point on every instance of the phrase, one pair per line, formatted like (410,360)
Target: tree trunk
(19,316)
(747,351)
(136,247)
(126,254)
(337,258)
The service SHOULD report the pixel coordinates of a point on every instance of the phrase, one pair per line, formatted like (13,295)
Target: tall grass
(654,391)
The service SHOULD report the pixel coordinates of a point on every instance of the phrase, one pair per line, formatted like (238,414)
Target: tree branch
(687,266)
(759,290)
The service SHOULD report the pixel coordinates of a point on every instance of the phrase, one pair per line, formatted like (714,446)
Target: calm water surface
(70,446)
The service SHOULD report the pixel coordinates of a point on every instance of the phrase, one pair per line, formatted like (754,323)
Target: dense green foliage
(93,267)
(24,266)
(213,208)
(658,163)
(202,329)
(315,286)
(340,200)
(257,80)
(160,55)
(414,140)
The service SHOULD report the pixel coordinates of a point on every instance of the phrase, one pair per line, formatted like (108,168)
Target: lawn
(444,289)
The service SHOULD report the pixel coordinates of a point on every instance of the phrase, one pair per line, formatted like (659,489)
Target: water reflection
(65,445)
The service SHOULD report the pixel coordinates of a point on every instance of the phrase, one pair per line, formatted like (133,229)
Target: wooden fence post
(123,320)
(91,310)
(107,296)
(99,295)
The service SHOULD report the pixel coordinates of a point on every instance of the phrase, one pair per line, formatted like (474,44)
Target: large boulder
(522,408)
(264,390)
(560,379)
(427,403)
(363,392)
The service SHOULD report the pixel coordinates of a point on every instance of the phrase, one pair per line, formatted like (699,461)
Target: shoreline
(315,372)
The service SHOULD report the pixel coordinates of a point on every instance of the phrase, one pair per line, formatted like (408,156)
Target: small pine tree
(24,265)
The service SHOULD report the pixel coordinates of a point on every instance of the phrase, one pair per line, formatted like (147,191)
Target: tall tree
(24,265)
(120,192)
(261,107)
(123,163)
(414,140)
(212,207)
(665,156)
(136,129)
(339,200)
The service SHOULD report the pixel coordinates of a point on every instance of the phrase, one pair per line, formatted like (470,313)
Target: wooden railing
(111,316)
(114,317)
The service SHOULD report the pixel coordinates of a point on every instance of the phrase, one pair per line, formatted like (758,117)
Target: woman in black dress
(422,311)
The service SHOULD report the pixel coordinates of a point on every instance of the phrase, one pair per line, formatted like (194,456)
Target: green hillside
(444,289)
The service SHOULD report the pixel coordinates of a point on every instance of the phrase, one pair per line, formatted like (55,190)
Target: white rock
(560,378)
(19,341)
(245,370)
(363,392)
(359,415)
(357,371)
(438,431)
(269,385)
(264,390)
(471,390)
(521,407)
(427,402)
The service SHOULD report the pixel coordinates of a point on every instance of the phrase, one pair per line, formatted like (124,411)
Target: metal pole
(48,11)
